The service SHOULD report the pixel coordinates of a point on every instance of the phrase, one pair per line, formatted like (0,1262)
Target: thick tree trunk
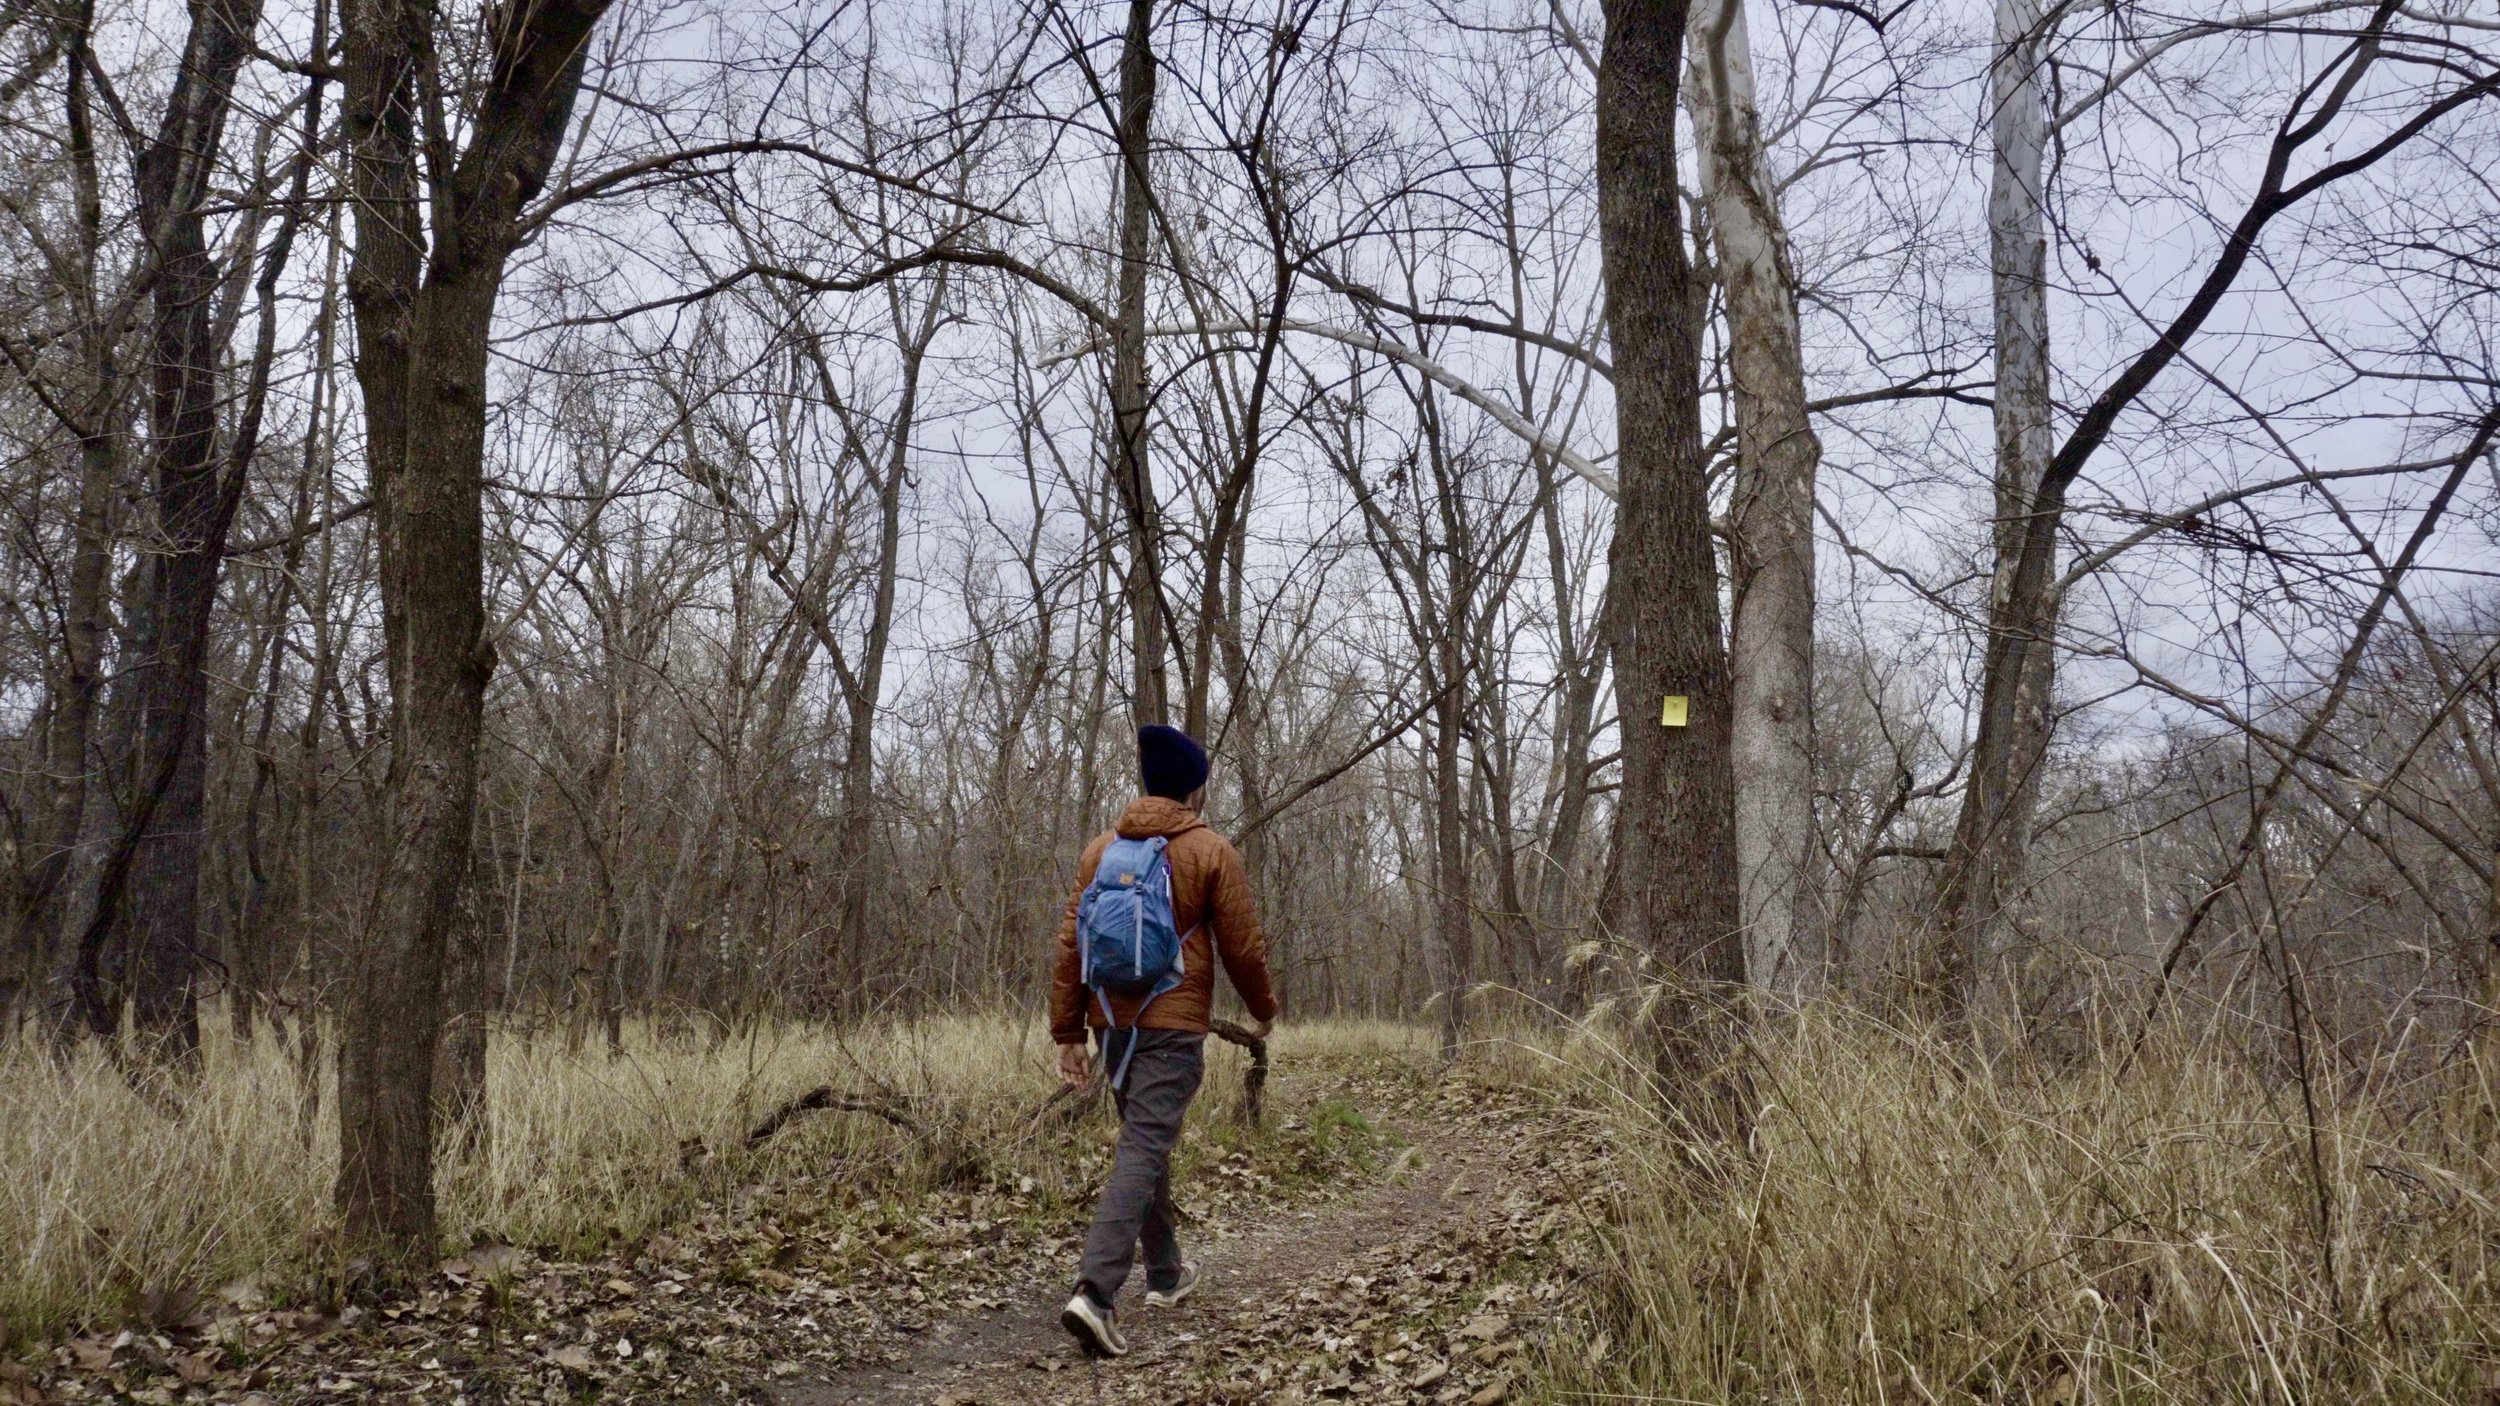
(194,504)
(1675,891)
(1131,471)
(395,995)
(1770,512)
(422,331)
(1982,868)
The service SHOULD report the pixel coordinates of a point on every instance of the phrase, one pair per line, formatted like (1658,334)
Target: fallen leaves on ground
(1452,1317)
(794,1281)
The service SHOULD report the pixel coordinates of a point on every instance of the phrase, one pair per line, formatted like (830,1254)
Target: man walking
(1153,1041)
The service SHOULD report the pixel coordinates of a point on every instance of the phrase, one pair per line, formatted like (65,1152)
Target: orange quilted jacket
(1211,903)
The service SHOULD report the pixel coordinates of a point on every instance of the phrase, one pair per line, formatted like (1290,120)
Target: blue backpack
(1127,939)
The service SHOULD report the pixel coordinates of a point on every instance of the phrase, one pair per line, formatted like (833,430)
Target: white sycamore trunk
(1982,869)
(2018,257)
(1771,512)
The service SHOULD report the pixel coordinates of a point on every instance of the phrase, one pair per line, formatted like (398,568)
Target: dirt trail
(1421,1267)
(1383,1290)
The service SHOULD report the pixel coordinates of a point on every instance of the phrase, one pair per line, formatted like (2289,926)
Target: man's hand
(1263,1029)
(1073,1066)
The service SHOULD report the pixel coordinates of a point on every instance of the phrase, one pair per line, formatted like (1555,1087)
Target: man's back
(1210,902)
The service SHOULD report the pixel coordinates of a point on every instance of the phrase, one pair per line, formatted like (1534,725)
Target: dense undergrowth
(1909,1221)
(135,1203)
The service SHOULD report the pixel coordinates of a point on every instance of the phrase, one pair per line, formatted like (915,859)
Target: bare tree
(2026,597)
(1132,469)
(1770,518)
(1980,868)
(1674,859)
(424,297)
(90,409)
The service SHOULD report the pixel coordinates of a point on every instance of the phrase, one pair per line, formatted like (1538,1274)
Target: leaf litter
(1406,1239)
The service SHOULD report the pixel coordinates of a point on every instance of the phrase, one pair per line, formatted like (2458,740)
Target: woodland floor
(1396,1236)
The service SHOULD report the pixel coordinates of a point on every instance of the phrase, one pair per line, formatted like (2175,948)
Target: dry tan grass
(1913,1225)
(103,1197)
(108,1199)
(1907,1225)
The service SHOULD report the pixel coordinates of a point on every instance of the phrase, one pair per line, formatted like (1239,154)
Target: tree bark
(1770,512)
(1983,865)
(1131,471)
(460,1060)
(78,687)
(423,313)
(1675,891)
(194,505)
(859,762)
(1450,917)
(394,997)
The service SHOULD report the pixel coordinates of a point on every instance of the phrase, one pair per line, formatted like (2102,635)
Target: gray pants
(1136,1204)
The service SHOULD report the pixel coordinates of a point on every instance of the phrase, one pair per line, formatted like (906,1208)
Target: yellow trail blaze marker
(1673,715)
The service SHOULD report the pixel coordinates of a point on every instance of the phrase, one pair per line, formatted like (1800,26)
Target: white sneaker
(1096,1330)
(1181,1288)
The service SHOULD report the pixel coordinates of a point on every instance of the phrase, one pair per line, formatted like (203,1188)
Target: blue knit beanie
(1170,761)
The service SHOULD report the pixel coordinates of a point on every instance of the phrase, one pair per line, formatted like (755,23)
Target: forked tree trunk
(423,313)
(1982,868)
(1675,890)
(1131,471)
(859,762)
(194,505)
(428,505)
(1770,512)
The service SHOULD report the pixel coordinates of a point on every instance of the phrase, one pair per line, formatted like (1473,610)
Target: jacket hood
(1149,816)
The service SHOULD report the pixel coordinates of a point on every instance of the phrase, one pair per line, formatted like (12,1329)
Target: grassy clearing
(1909,1225)
(112,1204)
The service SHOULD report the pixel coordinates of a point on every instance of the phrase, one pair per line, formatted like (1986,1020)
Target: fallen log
(824,1098)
